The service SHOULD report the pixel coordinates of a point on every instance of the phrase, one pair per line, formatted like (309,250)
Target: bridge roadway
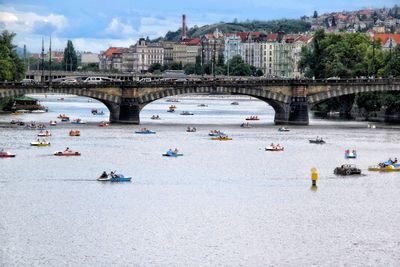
(290,98)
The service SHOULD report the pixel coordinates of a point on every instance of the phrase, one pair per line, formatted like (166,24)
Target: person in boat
(104,175)
(272,145)
(395,160)
(170,152)
(390,160)
(67,150)
(175,151)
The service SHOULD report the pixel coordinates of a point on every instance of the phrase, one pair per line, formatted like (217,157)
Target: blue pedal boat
(115,178)
(145,131)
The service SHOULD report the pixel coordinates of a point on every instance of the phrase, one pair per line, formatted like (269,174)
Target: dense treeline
(351,55)
(11,66)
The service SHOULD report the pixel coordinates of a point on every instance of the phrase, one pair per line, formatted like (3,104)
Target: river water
(223,203)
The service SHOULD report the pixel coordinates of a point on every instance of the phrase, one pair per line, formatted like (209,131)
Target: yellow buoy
(314,176)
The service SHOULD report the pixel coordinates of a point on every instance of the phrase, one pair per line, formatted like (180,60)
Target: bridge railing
(223,82)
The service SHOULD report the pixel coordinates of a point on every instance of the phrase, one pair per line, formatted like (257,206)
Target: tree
(198,68)
(221,60)
(237,67)
(333,21)
(190,68)
(315,14)
(176,66)
(70,61)
(11,66)
(155,67)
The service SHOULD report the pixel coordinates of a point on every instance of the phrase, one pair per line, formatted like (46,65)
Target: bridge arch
(110,101)
(349,89)
(278,101)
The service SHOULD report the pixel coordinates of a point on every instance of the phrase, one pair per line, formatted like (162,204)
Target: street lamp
(373,58)
(390,56)
(202,58)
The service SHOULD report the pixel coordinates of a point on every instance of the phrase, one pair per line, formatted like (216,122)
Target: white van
(96,80)
(145,80)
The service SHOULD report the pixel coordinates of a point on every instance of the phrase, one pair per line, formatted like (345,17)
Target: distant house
(388,40)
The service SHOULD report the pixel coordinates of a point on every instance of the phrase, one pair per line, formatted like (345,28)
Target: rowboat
(40,143)
(317,141)
(186,113)
(388,168)
(78,121)
(221,138)
(215,133)
(283,129)
(252,118)
(74,133)
(115,178)
(67,153)
(172,155)
(6,154)
(44,134)
(274,148)
(145,131)
(245,125)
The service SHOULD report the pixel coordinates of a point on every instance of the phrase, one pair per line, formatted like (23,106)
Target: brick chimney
(183,27)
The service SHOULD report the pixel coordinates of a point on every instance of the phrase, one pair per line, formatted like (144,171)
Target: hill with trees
(287,25)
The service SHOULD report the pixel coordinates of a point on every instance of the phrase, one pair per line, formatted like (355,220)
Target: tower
(183,27)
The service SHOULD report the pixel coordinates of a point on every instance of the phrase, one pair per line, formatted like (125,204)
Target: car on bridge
(97,80)
(28,81)
(69,81)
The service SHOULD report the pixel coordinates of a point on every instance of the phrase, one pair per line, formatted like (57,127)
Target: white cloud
(117,27)
(28,22)
(155,27)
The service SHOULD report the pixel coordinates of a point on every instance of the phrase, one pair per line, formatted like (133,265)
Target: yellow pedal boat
(221,138)
(388,168)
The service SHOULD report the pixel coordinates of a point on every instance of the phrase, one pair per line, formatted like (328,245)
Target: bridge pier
(294,113)
(127,112)
(298,114)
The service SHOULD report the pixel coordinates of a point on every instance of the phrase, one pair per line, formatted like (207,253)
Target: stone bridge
(290,98)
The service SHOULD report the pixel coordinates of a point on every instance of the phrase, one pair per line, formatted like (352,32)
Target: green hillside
(288,25)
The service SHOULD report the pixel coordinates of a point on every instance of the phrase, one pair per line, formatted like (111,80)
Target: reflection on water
(222,203)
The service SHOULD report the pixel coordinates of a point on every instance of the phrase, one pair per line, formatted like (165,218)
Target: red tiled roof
(245,35)
(384,37)
(191,41)
(110,51)
(272,37)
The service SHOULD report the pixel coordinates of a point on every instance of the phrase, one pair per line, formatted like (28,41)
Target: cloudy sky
(94,25)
